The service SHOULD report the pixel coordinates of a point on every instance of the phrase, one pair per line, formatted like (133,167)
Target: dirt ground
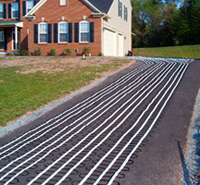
(53,64)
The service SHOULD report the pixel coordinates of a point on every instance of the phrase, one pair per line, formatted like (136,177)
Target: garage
(120,45)
(110,43)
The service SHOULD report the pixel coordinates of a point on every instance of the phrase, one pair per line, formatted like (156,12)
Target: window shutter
(49,33)
(121,9)
(118,7)
(9,10)
(35,33)
(5,39)
(70,32)
(55,32)
(76,39)
(91,31)
(4,11)
(24,8)
(126,13)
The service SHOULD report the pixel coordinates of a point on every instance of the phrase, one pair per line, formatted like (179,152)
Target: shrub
(12,54)
(18,52)
(24,52)
(86,50)
(52,51)
(38,51)
(100,54)
(68,51)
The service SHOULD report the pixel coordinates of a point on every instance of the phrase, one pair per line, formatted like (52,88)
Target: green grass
(192,51)
(21,93)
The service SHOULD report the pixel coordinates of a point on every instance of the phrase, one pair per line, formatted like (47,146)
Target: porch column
(16,39)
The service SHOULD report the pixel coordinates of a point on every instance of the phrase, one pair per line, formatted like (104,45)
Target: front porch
(10,36)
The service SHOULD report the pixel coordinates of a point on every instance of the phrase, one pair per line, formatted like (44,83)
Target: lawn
(28,83)
(192,51)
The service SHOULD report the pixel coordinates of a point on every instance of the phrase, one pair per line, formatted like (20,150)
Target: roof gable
(102,5)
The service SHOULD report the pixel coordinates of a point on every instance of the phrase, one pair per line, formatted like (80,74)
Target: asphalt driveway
(130,129)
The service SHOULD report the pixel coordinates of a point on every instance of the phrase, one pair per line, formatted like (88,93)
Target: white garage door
(110,43)
(120,45)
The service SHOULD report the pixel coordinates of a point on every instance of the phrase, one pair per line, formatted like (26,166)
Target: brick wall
(52,13)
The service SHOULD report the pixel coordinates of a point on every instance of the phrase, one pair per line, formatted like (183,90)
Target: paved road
(94,138)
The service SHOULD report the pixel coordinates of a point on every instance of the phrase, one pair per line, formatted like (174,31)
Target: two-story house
(104,25)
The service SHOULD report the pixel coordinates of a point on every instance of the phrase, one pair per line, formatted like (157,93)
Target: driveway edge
(27,119)
(191,174)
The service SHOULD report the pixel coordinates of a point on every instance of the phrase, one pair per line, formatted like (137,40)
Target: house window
(125,13)
(15,10)
(119,8)
(63,32)
(84,31)
(1,36)
(29,5)
(2,40)
(1,11)
(43,32)
(63,2)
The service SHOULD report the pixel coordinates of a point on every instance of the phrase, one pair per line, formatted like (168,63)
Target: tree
(164,23)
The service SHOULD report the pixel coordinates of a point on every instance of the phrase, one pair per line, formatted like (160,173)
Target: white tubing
(38,152)
(93,131)
(85,115)
(150,128)
(51,128)
(50,125)
(101,141)
(127,132)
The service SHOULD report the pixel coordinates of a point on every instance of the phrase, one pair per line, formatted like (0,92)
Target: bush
(24,52)
(12,54)
(68,51)
(52,51)
(18,52)
(86,50)
(38,51)
(100,54)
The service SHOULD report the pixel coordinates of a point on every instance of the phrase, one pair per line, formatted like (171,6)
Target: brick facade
(51,12)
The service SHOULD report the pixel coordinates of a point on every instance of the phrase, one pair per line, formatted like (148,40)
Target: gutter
(92,6)
(104,15)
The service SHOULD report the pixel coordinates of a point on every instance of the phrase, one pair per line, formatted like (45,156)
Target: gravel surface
(192,167)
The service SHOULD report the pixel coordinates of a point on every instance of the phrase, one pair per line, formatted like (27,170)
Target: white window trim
(83,32)
(27,5)
(39,33)
(65,3)
(59,31)
(2,11)
(12,10)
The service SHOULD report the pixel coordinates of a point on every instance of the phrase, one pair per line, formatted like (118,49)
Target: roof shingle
(102,5)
